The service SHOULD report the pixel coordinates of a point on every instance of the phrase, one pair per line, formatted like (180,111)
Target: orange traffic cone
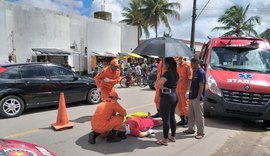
(62,118)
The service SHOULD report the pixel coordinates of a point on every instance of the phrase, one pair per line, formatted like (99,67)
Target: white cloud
(181,29)
(67,6)
(205,23)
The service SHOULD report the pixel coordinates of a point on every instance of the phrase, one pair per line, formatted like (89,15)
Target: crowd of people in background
(133,68)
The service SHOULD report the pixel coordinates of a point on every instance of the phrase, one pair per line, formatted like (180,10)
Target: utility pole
(13,55)
(193,26)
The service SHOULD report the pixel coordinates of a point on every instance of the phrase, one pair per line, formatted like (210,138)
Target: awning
(123,54)
(48,51)
(135,55)
(130,54)
(110,54)
(104,54)
(97,54)
(151,56)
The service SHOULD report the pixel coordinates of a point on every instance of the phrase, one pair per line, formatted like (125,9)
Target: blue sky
(86,6)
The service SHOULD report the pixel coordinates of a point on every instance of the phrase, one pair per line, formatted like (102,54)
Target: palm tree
(235,20)
(167,34)
(134,17)
(157,11)
(266,34)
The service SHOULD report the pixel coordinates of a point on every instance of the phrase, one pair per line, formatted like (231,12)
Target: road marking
(22,133)
(38,130)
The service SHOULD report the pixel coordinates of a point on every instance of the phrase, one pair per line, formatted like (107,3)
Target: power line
(186,19)
(202,9)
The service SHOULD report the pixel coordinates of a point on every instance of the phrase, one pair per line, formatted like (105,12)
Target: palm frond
(235,20)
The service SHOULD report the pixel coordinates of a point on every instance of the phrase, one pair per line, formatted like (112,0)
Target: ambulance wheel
(266,124)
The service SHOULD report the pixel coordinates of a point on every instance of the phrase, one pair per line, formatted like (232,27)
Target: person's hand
(107,79)
(98,89)
(187,95)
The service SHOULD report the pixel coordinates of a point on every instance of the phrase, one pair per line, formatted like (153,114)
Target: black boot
(182,122)
(122,134)
(92,137)
(112,137)
(157,115)
(185,125)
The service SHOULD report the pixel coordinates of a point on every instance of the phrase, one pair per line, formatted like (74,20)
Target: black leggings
(168,104)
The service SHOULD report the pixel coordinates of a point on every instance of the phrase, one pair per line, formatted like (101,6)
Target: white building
(24,28)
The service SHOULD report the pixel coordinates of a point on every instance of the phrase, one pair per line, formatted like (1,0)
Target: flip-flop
(160,142)
(172,139)
(199,136)
(188,132)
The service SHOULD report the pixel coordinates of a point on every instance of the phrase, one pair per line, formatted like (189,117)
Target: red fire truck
(238,77)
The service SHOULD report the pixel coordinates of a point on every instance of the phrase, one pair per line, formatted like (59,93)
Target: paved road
(224,136)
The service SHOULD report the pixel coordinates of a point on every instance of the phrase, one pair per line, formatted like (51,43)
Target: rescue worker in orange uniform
(185,75)
(162,69)
(108,118)
(107,79)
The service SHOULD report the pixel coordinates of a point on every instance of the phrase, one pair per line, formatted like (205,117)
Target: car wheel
(11,106)
(93,96)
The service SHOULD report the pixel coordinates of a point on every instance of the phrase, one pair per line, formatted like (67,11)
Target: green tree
(134,17)
(266,34)
(236,22)
(157,11)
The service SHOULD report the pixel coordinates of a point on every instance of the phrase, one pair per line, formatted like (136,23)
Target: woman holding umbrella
(167,48)
(168,100)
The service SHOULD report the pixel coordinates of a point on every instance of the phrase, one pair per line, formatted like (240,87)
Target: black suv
(31,85)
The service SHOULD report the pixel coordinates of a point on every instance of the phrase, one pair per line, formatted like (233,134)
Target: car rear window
(9,72)
(33,72)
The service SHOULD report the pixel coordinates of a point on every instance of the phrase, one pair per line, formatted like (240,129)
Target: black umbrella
(163,47)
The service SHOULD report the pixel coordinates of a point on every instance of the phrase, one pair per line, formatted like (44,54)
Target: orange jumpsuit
(106,118)
(185,74)
(107,87)
(157,98)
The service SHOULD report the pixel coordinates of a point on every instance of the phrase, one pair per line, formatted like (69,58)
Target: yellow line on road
(37,130)
(22,133)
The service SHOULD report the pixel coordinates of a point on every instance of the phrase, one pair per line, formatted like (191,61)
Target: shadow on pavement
(128,145)
(178,136)
(147,89)
(52,107)
(234,124)
(82,119)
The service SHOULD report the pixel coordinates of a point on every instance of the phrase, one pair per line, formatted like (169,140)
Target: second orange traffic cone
(62,118)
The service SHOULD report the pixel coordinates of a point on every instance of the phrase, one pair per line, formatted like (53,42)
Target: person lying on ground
(140,126)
